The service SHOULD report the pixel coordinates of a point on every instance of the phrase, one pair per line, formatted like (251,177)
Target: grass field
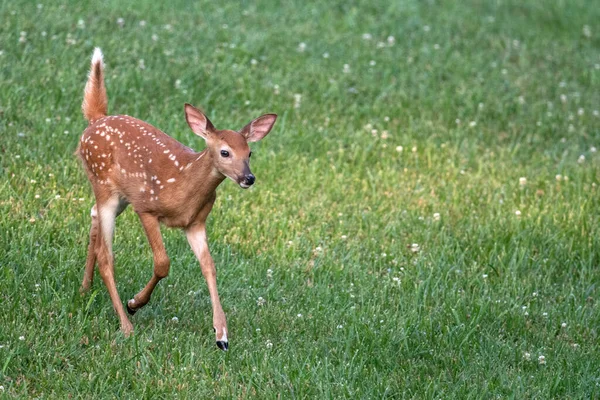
(425,222)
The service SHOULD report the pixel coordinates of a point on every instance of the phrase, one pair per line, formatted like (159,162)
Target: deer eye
(224,153)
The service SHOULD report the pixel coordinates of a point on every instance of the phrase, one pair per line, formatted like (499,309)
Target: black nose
(249,179)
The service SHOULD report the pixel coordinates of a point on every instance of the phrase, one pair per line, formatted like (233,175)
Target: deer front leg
(161,262)
(196,236)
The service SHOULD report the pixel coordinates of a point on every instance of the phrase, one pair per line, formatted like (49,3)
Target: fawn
(129,161)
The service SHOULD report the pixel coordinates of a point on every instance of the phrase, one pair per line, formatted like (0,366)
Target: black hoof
(130,310)
(222,345)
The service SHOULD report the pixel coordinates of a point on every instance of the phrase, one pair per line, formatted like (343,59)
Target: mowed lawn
(425,222)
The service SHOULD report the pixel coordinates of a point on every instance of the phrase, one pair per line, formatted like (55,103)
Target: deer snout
(247,181)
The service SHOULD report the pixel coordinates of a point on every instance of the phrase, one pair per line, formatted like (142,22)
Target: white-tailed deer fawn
(131,162)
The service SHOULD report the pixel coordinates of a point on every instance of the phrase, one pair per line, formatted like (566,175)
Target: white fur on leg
(224,337)
(108,214)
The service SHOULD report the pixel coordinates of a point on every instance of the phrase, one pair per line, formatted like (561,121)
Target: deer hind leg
(108,211)
(161,263)
(88,275)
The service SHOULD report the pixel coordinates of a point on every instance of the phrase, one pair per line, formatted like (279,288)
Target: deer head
(229,149)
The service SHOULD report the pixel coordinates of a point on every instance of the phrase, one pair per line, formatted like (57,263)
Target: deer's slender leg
(161,262)
(196,236)
(107,212)
(88,275)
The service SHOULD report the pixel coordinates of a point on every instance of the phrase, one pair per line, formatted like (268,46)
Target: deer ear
(259,128)
(199,122)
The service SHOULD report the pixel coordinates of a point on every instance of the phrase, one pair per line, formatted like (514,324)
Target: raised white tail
(94,98)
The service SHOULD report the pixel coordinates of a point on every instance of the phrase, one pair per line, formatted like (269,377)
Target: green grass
(477,93)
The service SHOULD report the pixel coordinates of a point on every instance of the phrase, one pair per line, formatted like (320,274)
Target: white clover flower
(542,360)
(367,36)
(326,55)
(581,159)
(21,337)
(253,61)
(580,112)
(415,247)
(120,22)
(399,149)
(269,344)
(436,216)
(299,315)
(558,177)
(269,273)
(473,124)
(344,237)
(593,149)
(142,23)
(301,47)
(563,325)
(391,40)
(484,276)
(141,64)
(297,100)
(587,31)
(175,319)
(154,37)
(340,326)
(414,149)
(260,302)
(426,28)
(81,24)
(527,356)
(372,63)
(563,98)
(522,181)
(518,213)
(346,69)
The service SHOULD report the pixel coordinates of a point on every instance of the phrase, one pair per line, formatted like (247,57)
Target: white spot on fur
(171,180)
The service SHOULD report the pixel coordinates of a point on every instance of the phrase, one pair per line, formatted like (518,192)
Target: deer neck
(203,177)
